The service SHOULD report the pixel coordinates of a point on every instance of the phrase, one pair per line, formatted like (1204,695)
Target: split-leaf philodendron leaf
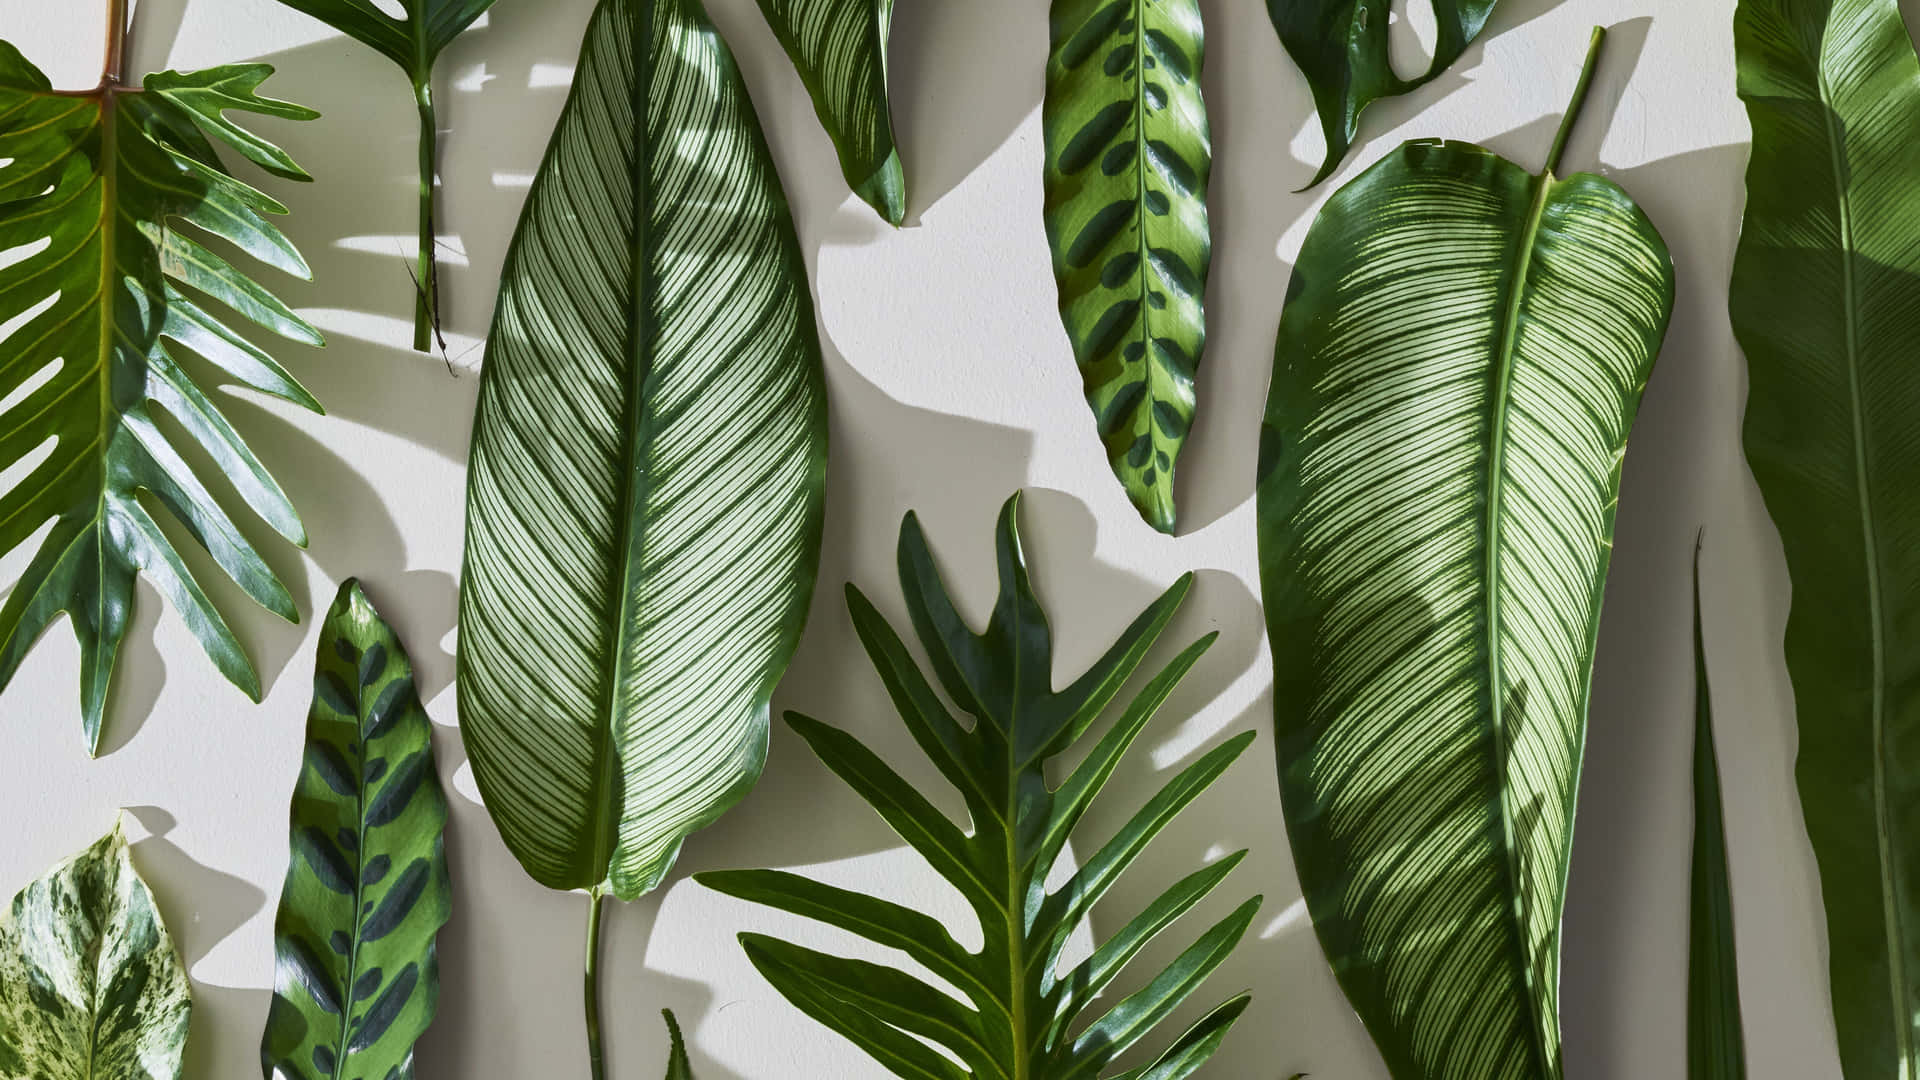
(366,890)
(649,452)
(1461,356)
(1128,156)
(90,984)
(840,50)
(1825,302)
(414,42)
(108,195)
(1022,1018)
(1342,47)
(1716,1045)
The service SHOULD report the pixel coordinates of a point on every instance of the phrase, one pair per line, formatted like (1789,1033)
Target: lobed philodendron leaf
(1128,158)
(1825,295)
(1020,1016)
(840,50)
(1716,1043)
(1462,352)
(1342,47)
(90,985)
(366,890)
(649,452)
(106,198)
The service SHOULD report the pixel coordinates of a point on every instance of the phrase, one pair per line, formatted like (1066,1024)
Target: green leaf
(1461,356)
(678,1067)
(1342,47)
(840,49)
(1716,1046)
(1826,283)
(644,507)
(1019,1015)
(90,984)
(1128,159)
(366,891)
(108,196)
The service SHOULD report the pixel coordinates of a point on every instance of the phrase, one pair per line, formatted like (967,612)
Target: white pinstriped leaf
(644,507)
(840,49)
(1462,353)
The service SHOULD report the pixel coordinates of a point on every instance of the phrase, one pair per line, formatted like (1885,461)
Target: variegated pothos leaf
(840,49)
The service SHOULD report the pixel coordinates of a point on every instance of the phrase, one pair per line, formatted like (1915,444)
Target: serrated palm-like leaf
(644,506)
(1461,356)
(108,196)
(90,985)
(840,50)
(1128,159)
(366,890)
(1825,299)
(1716,1045)
(1342,47)
(1022,1017)
(678,1067)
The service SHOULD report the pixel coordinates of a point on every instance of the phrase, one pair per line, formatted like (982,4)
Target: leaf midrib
(359,874)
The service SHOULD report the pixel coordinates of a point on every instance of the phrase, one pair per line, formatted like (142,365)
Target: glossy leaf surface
(840,49)
(1021,1017)
(1461,356)
(644,504)
(1128,160)
(110,197)
(1342,47)
(90,985)
(1716,1044)
(366,890)
(1825,298)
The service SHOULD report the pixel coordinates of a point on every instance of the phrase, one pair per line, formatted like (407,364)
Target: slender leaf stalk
(426,308)
(112,70)
(1580,89)
(596,1054)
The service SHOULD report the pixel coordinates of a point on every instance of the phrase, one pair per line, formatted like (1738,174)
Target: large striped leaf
(1826,303)
(840,49)
(644,509)
(90,985)
(1462,352)
(1716,1045)
(106,198)
(1128,158)
(1343,48)
(366,890)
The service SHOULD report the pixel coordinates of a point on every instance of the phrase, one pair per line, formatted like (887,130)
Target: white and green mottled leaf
(840,50)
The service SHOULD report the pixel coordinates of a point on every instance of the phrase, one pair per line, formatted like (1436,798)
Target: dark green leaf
(678,1067)
(1716,1047)
(840,49)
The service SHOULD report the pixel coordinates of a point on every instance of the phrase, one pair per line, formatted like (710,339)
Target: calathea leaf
(840,49)
(1826,284)
(1342,47)
(414,42)
(90,984)
(1022,1017)
(1461,356)
(108,196)
(1716,1046)
(1128,159)
(366,890)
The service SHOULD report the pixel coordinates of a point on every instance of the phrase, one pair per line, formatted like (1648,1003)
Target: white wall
(952,385)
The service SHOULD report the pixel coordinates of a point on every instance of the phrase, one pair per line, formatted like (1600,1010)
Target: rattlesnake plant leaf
(1826,288)
(840,50)
(1021,1017)
(649,452)
(109,195)
(1716,1045)
(1128,159)
(366,890)
(90,985)
(678,1067)
(1462,353)
(1342,47)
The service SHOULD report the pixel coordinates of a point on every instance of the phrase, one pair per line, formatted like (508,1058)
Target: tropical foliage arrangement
(1023,1018)
(840,50)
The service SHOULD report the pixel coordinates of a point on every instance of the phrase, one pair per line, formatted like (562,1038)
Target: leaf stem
(596,1055)
(112,69)
(1579,100)
(426,310)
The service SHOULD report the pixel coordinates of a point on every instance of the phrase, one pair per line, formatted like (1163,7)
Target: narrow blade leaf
(1716,1045)
(678,1067)
(840,49)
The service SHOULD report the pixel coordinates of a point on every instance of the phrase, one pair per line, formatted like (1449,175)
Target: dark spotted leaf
(840,49)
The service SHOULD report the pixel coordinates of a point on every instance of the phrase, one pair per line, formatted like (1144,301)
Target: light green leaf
(1128,159)
(90,985)
(840,49)
(1716,1045)
(1461,356)
(366,891)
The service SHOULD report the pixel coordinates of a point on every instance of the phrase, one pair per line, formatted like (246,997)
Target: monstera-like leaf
(1716,1043)
(1342,47)
(414,42)
(366,890)
(1825,295)
(1462,352)
(1022,1018)
(106,198)
(90,984)
(1128,158)
(840,50)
